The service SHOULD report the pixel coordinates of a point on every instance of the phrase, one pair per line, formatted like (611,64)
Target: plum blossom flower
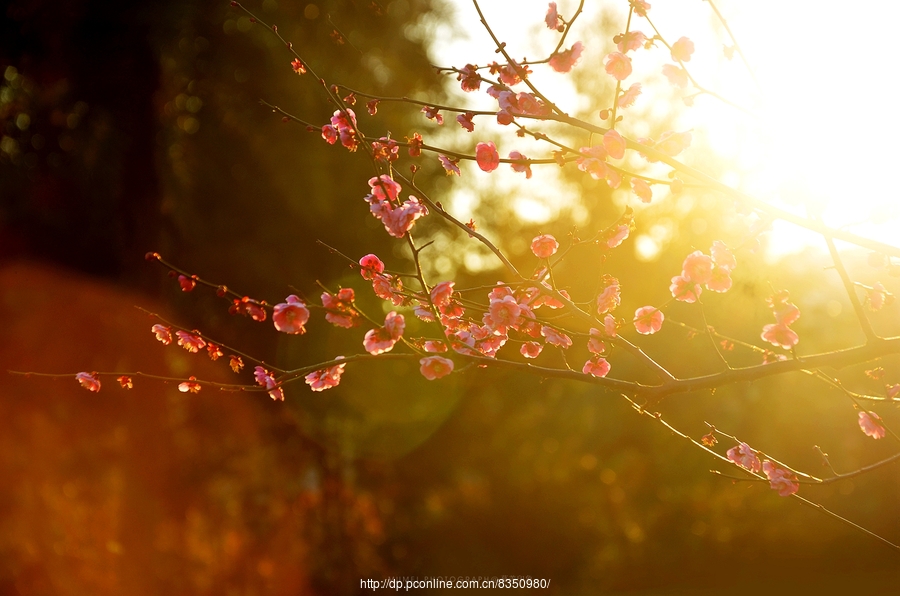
(465,120)
(870,423)
(544,246)
(214,351)
(298,67)
(610,294)
(187,283)
(340,308)
(596,367)
(677,76)
(552,18)
(877,296)
(163,333)
(640,187)
(565,60)
(125,381)
(344,122)
(780,335)
(744,456)
(89,381)
(531,349)
(697,267)
(432,346)
(415,145)
(648,320)
(189,386)
(614,144)
(502,314)
(630,41)
(382,339)
(781,480)
(618,65)
(190,342)
(330,134)
(449,164)
(433,114)
(320,380)
(435,367)
(520,167)
(486,156)
(722,255)
(290,316)
(610,326)
(469,77)
(629,96)
(385,150)
(682,50)
(556,338)
(640,7)
(593,161)
(595,344)
(370,265)
(685,290)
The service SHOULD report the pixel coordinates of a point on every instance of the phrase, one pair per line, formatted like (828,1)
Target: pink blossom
(449,164)
(187,283)
(329,133)
(618,65)
(697,267)
(552,18)
(544,246)
(382,339)
(596,367)
(340,308)
(291,316)
(433,346)
(326,378)
(486,156)
(640,7)
(531,349)
(469,77)
(298,67)
(610,326)
(614,144)
(618,235)
(435,367)
(385,150)
(465,120)
(415,145)
(163,333)
(389,288)
(870,423)
(877,296)
(610,294)
(441,294)
(723,256)
(400,220)
(513,73)
(190,386)
(677,76)
(530,104)
(565,60)
(384,188)
(631,41)
(629,96)
(433,114)
(520,167)
(720,280)
(745,457)
(190,342)
(370,265)
(640,187)
(779,334)
(556,338)
(89,381)
(672,143)
(685,290)
(595,345)
(648,320)
(344,121)
(781,480)
(502,314)
(682,50)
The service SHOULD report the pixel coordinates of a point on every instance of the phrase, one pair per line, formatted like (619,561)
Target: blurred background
(135,127)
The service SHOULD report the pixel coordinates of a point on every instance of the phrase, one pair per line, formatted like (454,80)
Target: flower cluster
(700,270)
(384,204)
(779,333)
(780,479)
